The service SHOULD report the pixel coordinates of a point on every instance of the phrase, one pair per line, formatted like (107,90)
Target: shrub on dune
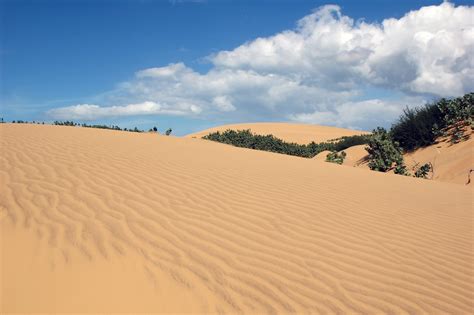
(335,157)
(384,153)
(247,139)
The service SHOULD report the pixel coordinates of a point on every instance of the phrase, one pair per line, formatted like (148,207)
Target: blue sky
(87,60)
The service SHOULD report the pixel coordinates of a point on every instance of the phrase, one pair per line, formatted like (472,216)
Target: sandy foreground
(290,132)
(107,221)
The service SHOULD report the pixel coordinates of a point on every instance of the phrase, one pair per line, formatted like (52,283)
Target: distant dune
(298,133)
(107,221)
(451,162)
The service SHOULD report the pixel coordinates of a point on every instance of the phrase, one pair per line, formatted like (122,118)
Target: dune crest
(108,221)
(289,132)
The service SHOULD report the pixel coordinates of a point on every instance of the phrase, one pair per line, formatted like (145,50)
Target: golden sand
(108,221)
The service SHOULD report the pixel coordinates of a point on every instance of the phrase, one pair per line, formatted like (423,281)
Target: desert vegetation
(415,128)
(111,127)
(420,127)
(335,157)
(384,153)
(247,139)
(84,125)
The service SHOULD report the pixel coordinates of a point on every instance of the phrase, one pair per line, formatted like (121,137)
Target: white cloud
(223,103)
(170,71)
(420,53)
(374,112)
(91,112)
(313,73)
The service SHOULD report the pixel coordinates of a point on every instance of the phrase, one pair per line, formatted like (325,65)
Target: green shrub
(418,127)
(335,157)
(384,153)
(422,171)
(458,114)
(345,142)
(65,123)
(458,110)
(246,139)
(168,132)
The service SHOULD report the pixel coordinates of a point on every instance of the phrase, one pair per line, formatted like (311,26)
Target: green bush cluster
(420,127)
(417,128)
(65,123)
(111,127)
(24,122)
(335,157)
(384,153)
(345,142)
(422,171)
(458,110)
(458,114)
(247,139)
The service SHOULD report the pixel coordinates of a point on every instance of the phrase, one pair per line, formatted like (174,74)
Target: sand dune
(298,133)
(108,221)
(321,156)
(356,156)
(451,162)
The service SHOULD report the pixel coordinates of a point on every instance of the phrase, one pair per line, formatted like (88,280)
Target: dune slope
(298,133)
(107,221)
(451,162)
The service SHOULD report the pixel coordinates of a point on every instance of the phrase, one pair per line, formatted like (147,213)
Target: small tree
(384,153)
(168,132)
(155,129)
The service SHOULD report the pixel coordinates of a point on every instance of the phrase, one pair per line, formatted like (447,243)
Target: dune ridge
(116,222)
(289,132)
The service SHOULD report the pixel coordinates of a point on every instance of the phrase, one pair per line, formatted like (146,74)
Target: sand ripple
(235,230)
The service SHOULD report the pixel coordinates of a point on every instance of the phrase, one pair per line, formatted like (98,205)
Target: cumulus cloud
(418,53)
(374,112)
(318,72)
(92,112)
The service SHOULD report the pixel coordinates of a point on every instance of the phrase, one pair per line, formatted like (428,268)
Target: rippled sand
(107,221)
